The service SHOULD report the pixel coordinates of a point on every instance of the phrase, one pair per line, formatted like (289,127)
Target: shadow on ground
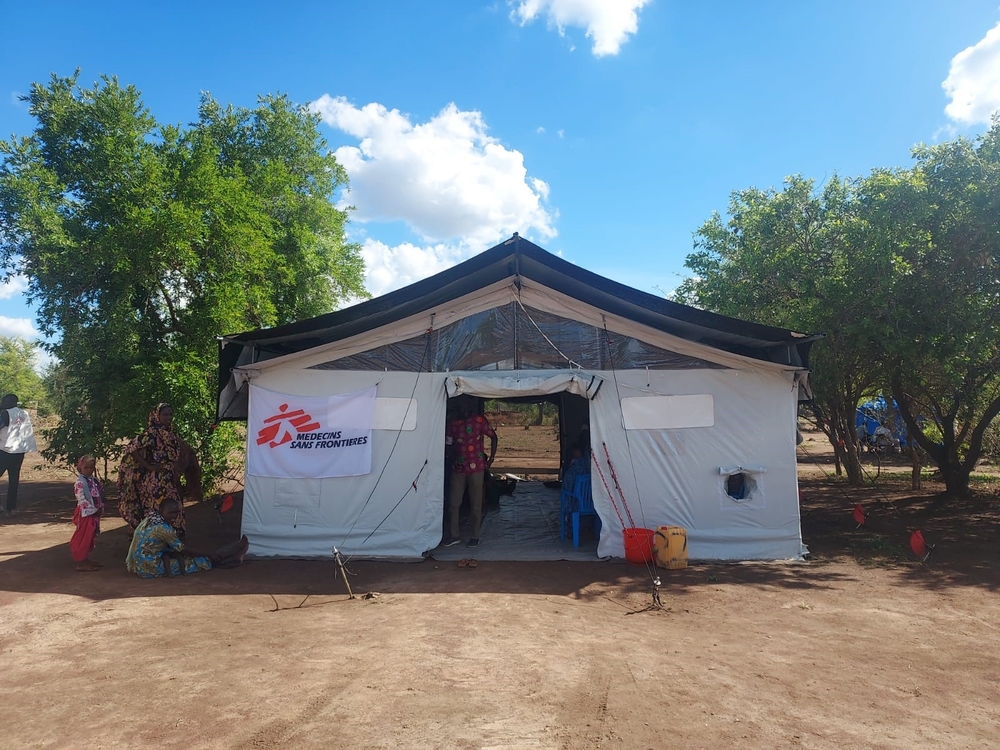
(966,533)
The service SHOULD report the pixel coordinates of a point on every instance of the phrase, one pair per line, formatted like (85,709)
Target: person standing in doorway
(464,441)
(17,437)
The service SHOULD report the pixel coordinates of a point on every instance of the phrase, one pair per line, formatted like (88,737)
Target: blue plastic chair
(576,503)
(566,503)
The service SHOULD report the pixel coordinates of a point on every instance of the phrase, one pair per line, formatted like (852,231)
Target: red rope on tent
(608,490)
(614,477)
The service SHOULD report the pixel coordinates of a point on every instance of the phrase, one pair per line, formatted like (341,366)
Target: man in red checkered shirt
(464,441)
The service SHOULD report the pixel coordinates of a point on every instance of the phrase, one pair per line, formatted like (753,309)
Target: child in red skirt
(89,507)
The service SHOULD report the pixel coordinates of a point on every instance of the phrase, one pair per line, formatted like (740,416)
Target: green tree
(143,242)
(900,269)
(939,226)
(18,375)
(791,258)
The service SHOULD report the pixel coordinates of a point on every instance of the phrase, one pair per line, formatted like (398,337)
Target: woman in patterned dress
(151,469)
(157,550)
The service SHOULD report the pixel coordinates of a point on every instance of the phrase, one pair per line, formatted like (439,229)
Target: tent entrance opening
(521,492)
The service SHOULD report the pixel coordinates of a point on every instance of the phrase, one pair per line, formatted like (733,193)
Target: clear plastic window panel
(509,338)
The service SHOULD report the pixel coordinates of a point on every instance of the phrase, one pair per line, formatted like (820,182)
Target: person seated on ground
(157,550)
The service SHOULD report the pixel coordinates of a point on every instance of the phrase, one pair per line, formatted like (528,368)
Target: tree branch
(175,326)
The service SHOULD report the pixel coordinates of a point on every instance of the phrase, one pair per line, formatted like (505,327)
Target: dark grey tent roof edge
(512,259)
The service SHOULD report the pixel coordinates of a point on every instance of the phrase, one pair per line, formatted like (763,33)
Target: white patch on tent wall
(395,414)
(668,412)
(753,496)
(298,501)
(669,443)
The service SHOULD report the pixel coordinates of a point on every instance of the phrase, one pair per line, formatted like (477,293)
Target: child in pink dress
(89,507)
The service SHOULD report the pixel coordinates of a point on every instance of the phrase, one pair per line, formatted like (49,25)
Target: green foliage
(900,269)
(18,375)
(991,442)
(509,412)
(792,258)
(940,225)
(143,242)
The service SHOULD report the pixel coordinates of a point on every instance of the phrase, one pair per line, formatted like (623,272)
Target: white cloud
(23,328)
(43,361)
(16,285)
(946,132)
(561,133)
(447,178)
(608,22)
(540,130)
(388,268)
(973,82)
(17,327)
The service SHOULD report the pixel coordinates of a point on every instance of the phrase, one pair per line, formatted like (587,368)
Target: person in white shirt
(17,437)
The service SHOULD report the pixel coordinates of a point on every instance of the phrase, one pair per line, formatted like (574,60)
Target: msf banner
(302,437)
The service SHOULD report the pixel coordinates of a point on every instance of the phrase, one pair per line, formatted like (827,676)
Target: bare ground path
(860,647)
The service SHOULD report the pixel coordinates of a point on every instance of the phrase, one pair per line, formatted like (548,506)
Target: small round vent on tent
(740,486)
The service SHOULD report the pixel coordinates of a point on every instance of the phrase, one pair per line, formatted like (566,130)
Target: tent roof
(514,258)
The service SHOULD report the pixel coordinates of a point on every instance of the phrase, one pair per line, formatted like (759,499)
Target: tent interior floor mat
(525,528)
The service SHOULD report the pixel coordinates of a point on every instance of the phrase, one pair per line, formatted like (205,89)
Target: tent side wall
(307,517)
(678,470)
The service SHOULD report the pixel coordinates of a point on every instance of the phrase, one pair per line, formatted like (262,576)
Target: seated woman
(157,551)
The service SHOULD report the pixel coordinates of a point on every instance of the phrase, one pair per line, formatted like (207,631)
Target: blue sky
(605,130)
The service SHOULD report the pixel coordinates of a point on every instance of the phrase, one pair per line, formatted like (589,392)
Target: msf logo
(283,426)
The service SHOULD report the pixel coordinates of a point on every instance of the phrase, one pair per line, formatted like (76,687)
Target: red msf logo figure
(297,421)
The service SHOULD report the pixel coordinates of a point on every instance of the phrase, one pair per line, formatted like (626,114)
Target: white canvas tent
(681,398)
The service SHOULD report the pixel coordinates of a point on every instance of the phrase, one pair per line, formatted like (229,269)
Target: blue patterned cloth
(151,539)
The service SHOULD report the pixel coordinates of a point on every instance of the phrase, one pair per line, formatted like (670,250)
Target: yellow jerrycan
(670,547)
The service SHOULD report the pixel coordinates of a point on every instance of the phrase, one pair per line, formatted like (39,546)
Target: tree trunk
(917,459)
(956,479)
(839,429)
(851,456)
(541,413)
(955,470)
(852,463)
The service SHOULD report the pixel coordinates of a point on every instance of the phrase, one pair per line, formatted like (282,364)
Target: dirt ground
(861,646)
(527,451)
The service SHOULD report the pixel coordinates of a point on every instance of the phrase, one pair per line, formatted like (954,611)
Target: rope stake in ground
(920,546)
(656,593)
(343,571)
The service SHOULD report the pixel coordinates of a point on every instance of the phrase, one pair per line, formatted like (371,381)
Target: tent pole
(343,572)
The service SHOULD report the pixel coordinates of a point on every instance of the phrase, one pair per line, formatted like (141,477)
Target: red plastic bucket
(638,545)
